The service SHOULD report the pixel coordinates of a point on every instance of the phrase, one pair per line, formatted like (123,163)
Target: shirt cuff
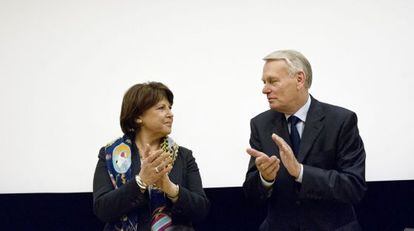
(299,179)
(266,183)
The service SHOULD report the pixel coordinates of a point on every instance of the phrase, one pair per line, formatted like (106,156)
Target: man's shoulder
(334,110)
(267,115)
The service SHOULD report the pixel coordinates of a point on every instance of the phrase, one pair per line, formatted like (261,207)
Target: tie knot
(293,120)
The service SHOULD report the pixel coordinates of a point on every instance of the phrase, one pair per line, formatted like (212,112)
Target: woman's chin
(166,131)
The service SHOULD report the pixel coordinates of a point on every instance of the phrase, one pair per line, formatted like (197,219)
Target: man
(307,158)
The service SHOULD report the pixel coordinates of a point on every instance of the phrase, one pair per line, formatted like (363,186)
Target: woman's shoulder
(184,151)
(121,139)
(114,142)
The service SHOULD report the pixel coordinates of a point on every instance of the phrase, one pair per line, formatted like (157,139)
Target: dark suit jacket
(191,206)
(333,158)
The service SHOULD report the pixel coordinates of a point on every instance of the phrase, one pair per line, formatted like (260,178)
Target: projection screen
(65,65)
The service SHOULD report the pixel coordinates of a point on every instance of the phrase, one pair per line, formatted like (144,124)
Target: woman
(144,180)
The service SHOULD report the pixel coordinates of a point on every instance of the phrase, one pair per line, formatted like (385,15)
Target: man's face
(281,88)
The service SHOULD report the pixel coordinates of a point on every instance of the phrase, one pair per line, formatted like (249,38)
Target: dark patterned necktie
(294,134)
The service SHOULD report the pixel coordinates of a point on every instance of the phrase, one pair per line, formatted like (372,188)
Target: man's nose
(265,89)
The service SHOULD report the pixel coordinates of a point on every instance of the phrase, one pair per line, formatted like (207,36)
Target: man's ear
(301,79)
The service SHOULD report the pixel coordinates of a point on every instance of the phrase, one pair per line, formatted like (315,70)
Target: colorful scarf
(118,162)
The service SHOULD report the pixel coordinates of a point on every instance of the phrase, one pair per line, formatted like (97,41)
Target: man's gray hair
(296,62)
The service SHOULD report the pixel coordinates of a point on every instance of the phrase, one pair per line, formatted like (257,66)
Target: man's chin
(278,108)
(274,106)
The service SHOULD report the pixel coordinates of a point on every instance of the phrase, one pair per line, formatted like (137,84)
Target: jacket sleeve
(192,203)
(346,182)
(253,187)
(109,203)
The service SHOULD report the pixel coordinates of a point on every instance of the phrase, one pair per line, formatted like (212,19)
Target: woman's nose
(170,113)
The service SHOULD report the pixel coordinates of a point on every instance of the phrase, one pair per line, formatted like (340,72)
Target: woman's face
(157,120)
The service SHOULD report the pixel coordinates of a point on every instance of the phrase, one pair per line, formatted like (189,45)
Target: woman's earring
(139,121)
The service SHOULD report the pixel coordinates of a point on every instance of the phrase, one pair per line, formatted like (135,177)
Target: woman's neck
(142,140)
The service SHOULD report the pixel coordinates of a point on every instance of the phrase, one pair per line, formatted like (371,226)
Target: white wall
(65,65)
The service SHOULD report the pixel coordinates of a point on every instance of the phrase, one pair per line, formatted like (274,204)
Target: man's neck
(300,102)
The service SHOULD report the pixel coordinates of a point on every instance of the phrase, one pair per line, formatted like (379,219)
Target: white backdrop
(65,65)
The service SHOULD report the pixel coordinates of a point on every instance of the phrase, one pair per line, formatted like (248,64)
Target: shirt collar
(303,111)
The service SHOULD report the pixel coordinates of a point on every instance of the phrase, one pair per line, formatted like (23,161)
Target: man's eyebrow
(268,77)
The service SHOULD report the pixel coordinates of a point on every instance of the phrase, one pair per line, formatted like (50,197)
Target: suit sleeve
(345,183)
(192,203)
(252,186)
(109,204)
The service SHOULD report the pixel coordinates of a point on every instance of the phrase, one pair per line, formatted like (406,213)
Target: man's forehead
(268,76)
(275,64)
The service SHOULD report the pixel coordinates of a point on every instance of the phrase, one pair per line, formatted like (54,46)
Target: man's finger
(272,168)
(261,160)
(278,140)
(265,163)
(254,153)
(274,158)
(281,143)
(270,164)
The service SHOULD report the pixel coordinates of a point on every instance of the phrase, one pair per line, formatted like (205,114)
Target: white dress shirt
(301,114)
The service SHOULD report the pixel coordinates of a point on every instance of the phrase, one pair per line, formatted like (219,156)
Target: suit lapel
(279,128)
(313,127)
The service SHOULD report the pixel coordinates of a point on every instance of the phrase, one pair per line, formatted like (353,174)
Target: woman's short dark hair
(138,99)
